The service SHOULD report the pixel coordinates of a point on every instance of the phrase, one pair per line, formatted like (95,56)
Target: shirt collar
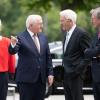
(31,33)
(72,29)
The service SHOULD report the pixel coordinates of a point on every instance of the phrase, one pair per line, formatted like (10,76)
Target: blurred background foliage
(14,13)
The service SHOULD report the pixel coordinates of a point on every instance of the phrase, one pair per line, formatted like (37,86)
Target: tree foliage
(45,5)
(10,13)
(14,12)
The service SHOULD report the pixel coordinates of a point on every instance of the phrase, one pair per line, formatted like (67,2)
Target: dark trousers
(32,91)
(73,88)
(3,85)
(96,88)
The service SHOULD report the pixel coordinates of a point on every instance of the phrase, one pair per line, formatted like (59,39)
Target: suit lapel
(31,43)
(71,39)
(41,42)
(95,41)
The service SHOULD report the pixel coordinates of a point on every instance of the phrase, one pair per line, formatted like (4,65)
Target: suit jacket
(31,64)
(94,49)
(73,58)
(94,52)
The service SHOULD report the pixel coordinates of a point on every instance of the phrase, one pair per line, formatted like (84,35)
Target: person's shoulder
(84,33)
(21,34)
(43,34)
(5,38)
(81,31)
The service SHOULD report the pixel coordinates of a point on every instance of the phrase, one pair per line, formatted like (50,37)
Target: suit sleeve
(84,43)
(93,51)
(14,50)
(49,62)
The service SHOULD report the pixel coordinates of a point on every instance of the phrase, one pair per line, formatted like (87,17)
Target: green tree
(52,25)
(82,7)
(10,12)
(45,5)
(14,12)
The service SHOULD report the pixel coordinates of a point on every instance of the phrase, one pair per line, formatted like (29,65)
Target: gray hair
(69,14)
(96,12)
(31,19)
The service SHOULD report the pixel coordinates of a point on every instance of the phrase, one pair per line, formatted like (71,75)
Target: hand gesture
(14,40)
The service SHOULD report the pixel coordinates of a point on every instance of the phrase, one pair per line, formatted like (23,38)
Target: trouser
(73,88)
(96,90)
(32,91)
(3,85)
(95,69)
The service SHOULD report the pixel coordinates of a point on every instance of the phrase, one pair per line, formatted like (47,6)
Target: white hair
(69,14)
(31,19)
(96,12)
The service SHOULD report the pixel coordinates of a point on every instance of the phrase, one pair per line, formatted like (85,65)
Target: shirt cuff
(13,45)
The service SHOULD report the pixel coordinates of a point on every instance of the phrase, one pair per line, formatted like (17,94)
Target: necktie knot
(34,35)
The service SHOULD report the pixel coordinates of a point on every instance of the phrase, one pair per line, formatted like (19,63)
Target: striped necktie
(36,41)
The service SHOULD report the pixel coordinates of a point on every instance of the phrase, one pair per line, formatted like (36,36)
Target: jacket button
(38,67)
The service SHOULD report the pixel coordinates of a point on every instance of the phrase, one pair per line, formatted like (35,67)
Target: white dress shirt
(68,36)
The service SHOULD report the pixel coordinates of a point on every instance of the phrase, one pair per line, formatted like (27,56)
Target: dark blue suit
(33,67)
(93,53)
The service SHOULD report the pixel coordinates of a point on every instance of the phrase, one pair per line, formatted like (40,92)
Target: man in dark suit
(34,63)
(94,53)
(75,42)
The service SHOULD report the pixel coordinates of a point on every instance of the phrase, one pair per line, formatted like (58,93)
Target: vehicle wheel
(48,91)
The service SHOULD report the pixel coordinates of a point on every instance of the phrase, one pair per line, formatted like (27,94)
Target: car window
(56,53)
